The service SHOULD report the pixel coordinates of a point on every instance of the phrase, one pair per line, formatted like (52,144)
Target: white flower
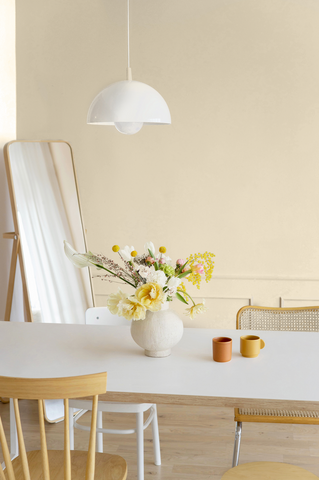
(193,311)
(149,246)
(157,277)
(145,271)
(115,302)
(80,260)
(126,253)
(173,284)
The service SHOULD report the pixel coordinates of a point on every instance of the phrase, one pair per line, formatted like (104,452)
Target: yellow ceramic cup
(250,346)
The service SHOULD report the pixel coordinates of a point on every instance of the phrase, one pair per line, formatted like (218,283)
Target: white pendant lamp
(128,105)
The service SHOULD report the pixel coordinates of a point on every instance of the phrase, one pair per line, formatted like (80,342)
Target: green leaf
(182,299)
(151,254)
(182,275)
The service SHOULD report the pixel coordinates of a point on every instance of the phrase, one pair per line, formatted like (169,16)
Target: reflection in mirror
(46,212)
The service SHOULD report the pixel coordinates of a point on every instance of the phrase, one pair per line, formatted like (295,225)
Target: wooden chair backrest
(50,388)
(298,319)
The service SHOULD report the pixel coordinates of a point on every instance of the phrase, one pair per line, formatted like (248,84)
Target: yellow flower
(151,295)
(115,248)
(115,302)
(162,249)
(133,253)
(207,263)
(132,309)
(195,310)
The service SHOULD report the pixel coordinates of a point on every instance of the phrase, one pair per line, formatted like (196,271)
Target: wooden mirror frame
(17,250)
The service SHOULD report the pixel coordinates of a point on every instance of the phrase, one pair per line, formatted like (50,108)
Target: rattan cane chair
(304,319)
(45,464)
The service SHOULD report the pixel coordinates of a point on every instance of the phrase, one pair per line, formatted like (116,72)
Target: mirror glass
(46,212)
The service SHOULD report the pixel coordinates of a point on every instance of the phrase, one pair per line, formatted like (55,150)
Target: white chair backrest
(103,316)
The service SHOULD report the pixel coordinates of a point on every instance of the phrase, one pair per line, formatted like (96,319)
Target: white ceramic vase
(158,332)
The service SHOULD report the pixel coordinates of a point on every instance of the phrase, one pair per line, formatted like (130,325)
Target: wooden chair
(303,319)
(102,316)
(45,464)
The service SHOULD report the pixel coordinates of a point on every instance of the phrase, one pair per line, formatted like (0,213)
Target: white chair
(102,316)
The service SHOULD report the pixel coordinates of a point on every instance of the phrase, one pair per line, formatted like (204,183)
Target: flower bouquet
(154,277)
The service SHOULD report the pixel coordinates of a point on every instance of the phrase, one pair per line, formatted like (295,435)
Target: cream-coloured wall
(237,171)
(7,132)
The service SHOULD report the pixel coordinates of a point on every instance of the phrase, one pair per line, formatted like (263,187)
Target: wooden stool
(268,471)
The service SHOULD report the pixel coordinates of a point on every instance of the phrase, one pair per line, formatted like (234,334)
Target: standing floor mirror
(46,211)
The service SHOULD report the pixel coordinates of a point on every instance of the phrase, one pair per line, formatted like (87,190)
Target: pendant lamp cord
(129,71)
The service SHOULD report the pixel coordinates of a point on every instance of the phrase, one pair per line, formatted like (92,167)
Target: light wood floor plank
(196,442)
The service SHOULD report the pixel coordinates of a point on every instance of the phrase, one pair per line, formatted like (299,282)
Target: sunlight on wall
(7,133)
(237,171)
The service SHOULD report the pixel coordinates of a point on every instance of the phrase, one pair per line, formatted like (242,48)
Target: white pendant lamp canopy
(128,104)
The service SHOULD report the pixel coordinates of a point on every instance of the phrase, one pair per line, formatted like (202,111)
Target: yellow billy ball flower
(133,253)
(115,248)
(162,249)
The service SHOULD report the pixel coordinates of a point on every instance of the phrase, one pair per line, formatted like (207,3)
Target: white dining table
(284,375)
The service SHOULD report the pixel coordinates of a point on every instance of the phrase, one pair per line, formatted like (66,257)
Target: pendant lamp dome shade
(129,102)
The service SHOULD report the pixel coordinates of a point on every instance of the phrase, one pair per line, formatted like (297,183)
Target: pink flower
(150,260)
(162,261)
(198,268)
(180,261)
(185,270)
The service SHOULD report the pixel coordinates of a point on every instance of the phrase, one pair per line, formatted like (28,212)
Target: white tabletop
(285,370)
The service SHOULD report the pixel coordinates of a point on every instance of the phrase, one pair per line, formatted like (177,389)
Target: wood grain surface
(196,442)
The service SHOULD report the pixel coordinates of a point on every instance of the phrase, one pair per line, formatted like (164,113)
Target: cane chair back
(300,319)
(28,465)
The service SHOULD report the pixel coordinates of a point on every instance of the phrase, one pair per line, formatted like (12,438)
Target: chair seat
(277,416)
(268,471)
(107,467)
(278,413)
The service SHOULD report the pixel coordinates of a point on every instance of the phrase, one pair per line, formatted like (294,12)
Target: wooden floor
(196,442)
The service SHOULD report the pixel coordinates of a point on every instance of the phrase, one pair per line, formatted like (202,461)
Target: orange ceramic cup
(250,346)
(222,347)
